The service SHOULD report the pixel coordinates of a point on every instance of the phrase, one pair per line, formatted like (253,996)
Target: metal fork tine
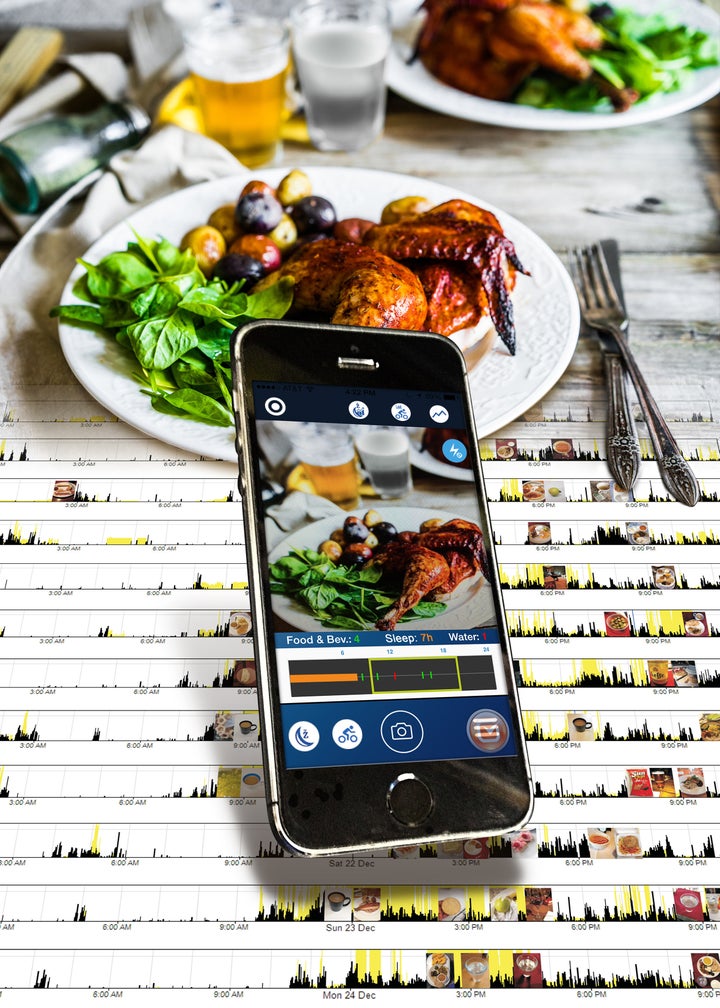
(587,279)
(578,277)
(600,262)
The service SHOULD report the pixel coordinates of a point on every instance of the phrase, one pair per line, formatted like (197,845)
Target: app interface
(383,618)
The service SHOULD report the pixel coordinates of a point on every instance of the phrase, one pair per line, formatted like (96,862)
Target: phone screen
(384,622)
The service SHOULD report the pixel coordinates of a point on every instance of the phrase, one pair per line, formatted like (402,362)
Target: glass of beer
(238,64)
(328,457)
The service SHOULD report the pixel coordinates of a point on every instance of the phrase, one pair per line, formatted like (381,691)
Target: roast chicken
(353,285)
(438,271)
(432,564)
(488,47)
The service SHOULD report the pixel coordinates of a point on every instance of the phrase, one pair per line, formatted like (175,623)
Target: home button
(409,800)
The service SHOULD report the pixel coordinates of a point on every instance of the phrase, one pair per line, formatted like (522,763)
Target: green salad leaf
(347,598)
(650,54)
(155,301)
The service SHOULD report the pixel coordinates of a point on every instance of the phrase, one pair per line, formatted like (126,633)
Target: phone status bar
(352,405)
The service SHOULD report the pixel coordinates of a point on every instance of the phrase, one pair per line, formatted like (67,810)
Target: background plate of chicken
(445,566)
(540,320)
(434,60)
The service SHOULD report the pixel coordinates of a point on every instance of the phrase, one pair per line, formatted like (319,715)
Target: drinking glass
(339,48)
(238,62)
(328,457)
(385,455)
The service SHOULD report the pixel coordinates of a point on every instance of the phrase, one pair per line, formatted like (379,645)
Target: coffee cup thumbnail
(337,900)
(581,724)
(247,726)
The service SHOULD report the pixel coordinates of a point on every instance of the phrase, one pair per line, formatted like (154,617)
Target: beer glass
(238,63)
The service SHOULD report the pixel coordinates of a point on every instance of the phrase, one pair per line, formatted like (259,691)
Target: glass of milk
(339,48)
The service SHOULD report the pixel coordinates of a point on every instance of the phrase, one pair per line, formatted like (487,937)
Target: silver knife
(623,446)
(675,472)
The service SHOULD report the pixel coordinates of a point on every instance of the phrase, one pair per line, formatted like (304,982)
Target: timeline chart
(138,725)
(377,676)
(101,622)
(589,487)
(384,905)
(146,678)
(692,624)
(92,489)
(444,965)
(43,578)
(240,775)
(617,674)
(629,842)
(662,580)
(153,535)
(133,689)
(648,531)
(588,444)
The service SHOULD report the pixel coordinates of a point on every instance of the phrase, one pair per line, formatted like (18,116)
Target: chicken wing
(459,232)
(454,297)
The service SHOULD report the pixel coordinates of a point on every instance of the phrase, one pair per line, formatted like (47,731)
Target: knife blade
(675,472)
(623,445)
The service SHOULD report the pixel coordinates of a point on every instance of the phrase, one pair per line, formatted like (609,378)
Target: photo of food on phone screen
(379,542)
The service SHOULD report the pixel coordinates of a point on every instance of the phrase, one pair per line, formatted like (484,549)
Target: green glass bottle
(41,161)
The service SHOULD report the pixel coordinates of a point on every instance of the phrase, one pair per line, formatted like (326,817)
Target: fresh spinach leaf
(117,275)
(195,404)
(159,342)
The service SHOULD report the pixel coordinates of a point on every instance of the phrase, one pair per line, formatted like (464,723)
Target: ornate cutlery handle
(676,474)
(623,447)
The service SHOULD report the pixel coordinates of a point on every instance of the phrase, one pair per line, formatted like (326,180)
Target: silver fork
(623,447)
(603,311)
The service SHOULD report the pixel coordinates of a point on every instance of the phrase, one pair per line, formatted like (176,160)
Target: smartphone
(386,694)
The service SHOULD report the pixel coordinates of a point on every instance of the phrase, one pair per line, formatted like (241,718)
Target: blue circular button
(454,450)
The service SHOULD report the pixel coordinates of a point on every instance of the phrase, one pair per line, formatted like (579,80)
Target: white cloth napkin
(299,509)
(33,276)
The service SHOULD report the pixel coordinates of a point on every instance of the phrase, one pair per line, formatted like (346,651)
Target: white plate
(546,308)
(446,963)
(470,605)
(691,789)
(413,82)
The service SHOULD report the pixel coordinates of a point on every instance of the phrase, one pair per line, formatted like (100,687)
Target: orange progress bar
(325,677)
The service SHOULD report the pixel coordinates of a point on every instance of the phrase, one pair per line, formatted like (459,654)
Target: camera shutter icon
(402,731)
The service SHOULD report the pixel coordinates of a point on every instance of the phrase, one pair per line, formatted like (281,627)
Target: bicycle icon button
(347,734)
